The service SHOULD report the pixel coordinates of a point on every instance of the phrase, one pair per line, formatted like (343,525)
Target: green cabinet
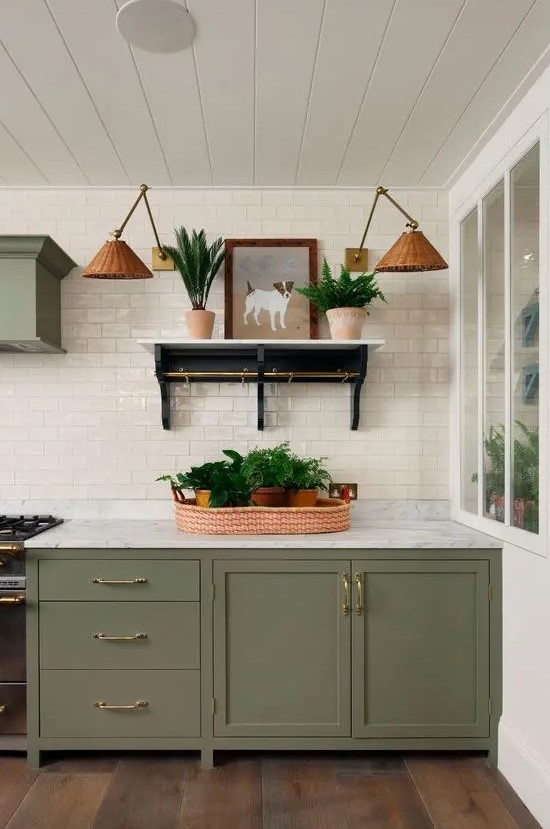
(421,649)
(281,649)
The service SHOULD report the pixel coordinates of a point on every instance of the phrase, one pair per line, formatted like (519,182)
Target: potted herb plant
(306,478)
(344,300)
(200,479)
(198,263)
(267,472)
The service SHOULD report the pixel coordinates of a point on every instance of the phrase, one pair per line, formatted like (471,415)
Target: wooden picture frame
(244,261)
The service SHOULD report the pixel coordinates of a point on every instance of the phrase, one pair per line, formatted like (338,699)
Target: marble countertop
(365,534)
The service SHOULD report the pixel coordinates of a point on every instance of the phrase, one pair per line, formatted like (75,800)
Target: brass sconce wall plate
(357,259)
(158,264)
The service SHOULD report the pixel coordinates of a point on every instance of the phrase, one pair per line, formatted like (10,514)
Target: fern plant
(344,292)
(198,263)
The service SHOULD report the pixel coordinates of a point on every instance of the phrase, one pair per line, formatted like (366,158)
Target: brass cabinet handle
(141,703)
(12,600)
(359,599)
(11,549)
(345,603)
(3,709)
(119,581)
(104,638)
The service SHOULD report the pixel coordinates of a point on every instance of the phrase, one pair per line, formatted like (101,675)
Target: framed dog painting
(261,276)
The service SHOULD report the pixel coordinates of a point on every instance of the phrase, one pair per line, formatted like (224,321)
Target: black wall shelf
(269,361)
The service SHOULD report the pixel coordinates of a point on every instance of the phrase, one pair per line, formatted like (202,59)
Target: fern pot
(346,323)
(302,497)
(202,497)
(200,324)
(269,496)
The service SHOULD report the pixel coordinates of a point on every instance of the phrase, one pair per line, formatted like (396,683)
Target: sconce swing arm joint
(117,233)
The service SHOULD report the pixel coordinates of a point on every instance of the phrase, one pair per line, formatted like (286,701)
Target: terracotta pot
(200,324)
(202,497)
(346,323)
(269,496)
(302,497)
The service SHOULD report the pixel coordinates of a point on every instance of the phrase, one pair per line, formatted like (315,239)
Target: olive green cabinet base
(263,649)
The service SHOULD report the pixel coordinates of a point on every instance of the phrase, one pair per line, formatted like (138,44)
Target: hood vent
(31,270)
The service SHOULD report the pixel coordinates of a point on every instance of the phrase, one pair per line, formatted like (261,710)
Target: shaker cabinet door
(281,649)
(420,649)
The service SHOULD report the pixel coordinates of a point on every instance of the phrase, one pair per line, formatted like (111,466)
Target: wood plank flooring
(260,791)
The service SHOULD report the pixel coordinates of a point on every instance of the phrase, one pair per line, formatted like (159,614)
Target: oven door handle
(13,601)
(10,549)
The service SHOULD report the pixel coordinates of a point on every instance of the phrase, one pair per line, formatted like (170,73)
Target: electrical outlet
(335,490)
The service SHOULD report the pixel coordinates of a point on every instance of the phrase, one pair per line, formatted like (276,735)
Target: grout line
(367,88)
(424,85)
(310,94)
(87,91)
(485,78)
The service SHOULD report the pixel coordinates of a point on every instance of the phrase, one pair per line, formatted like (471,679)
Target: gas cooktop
(21,527)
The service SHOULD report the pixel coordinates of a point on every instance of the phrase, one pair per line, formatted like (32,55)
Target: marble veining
(369,533)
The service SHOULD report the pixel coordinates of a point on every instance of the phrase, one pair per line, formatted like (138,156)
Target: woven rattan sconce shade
(412,252)
(116,260)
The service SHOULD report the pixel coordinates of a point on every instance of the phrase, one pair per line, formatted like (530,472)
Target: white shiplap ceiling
(273,92)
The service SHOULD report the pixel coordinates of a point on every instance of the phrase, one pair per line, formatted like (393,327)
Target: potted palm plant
(344,300)
(198,263)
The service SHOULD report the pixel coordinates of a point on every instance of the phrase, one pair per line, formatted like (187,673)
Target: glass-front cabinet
(499,350)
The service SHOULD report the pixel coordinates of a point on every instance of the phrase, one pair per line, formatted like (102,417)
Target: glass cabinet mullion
(508,391)
(481,367)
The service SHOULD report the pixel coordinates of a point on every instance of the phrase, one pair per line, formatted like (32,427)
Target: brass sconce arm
(142,195)
(382,191)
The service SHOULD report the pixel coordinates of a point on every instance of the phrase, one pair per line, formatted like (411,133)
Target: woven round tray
(330,515)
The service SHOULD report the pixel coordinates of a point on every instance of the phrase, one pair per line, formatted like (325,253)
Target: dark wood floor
(260,791)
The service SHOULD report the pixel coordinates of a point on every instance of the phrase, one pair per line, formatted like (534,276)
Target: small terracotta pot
(346,323)
(200,324)
(202,497)
(269,496)
(302,497)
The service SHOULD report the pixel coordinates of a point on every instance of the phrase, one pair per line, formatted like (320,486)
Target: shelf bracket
(164,387)
(355,393)
(261,387)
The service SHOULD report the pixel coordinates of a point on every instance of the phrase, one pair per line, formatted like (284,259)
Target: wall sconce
(117,260)
(410,253)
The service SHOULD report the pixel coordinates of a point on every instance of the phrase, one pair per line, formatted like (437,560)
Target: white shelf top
(149,345)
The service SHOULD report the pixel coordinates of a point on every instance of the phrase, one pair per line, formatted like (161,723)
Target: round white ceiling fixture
(156,25)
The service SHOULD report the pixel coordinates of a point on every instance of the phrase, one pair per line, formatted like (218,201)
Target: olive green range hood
(31,270)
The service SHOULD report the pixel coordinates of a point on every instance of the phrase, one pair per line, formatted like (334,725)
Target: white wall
(85,426)
(524,751)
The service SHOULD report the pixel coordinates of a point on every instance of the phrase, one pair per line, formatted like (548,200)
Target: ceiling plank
(405,61)
(286,48)
(492,100)
(42,58)
(107,67)
(23,116)
(350,40)
(484,29)
(177,114)
(16,168)
(224,52)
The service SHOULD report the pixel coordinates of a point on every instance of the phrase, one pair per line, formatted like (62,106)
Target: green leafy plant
(308,473)
(198,477)
(269,467)
(198,263)
(344,292)
(230,487)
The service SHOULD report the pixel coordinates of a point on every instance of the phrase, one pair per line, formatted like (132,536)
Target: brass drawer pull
(105,638)
(12,549)
(359,600)
(345,603)
(141,703)
(119,581)
(3,709)
(12,600)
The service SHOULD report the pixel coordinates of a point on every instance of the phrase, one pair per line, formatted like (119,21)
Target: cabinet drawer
(13,708)
(146,635)
(170,703)
(126,581)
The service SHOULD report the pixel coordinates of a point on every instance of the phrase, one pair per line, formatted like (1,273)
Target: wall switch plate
(335,490)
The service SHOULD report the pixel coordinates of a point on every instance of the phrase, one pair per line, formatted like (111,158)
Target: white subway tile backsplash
(86,424)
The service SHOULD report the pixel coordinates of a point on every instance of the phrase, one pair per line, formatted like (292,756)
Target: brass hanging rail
(246,374)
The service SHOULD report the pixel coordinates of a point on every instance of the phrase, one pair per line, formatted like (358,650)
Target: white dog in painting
(274,302)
